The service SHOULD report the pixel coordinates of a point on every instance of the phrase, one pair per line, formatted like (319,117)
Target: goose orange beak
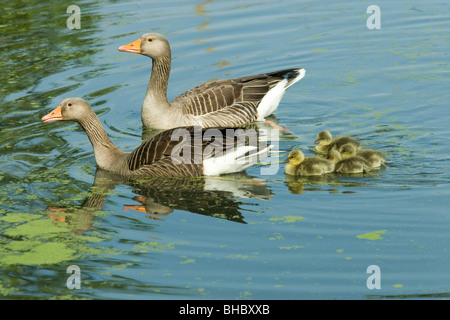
(134,47)
(55,115)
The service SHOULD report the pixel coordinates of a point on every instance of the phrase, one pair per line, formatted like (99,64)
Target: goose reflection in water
(218,197)
(212,196)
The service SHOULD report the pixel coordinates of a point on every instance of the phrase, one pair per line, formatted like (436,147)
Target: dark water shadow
(217,197)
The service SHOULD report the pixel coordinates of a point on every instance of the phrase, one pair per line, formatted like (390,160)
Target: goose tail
(271,100)
(291,75)
(234,160)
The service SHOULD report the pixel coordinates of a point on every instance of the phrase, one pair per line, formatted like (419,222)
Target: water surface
(249,235)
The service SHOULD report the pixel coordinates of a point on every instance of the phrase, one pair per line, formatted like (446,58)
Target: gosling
(353,164)
(325,141)
(307,166)
(375,158)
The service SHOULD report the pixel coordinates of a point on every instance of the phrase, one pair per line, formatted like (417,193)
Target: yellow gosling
(353,164)
(307,166)
(325,141)
(375,158)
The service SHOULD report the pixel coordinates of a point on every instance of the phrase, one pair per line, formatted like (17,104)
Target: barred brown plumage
(213,103)
(178,152)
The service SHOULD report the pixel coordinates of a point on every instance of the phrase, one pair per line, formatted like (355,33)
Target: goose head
(324,138)
(347,150)
(296,157)
(107,155)
(152,45)
(71,109)
(334,155)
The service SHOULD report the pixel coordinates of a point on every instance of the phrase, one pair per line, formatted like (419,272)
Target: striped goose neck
(159,79)
(107,155)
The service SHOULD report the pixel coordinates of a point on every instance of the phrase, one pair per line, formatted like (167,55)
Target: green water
(245,236)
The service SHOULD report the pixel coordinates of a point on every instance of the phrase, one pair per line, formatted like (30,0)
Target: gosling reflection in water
(329,183)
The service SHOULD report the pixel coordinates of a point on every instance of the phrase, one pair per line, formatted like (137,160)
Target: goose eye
(149,39)
(69,104)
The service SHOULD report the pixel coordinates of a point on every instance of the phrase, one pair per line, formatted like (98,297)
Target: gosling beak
(55,115)
(316,141)
(134,47)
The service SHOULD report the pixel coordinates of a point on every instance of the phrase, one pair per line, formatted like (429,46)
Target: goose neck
(159,79)
(107,155)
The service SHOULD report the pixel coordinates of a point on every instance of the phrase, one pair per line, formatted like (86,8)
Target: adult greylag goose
(187,152)
(217,103)
(307,166)
(326,142)
(376,158)
(353,164)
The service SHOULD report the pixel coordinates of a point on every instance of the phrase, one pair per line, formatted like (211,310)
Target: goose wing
(159,147)
(236,115)
(216,95)
(181,151)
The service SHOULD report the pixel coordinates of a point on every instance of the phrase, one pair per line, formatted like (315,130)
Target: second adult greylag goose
(326,142)
(217,103)
(186,152)
(376,158)
(307,166)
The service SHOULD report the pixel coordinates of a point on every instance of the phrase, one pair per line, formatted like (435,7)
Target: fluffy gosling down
(325,141)
(353,164)
(307,166)
(375,158)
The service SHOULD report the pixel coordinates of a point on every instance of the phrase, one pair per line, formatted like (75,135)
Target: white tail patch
(233,160)
(271,100)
